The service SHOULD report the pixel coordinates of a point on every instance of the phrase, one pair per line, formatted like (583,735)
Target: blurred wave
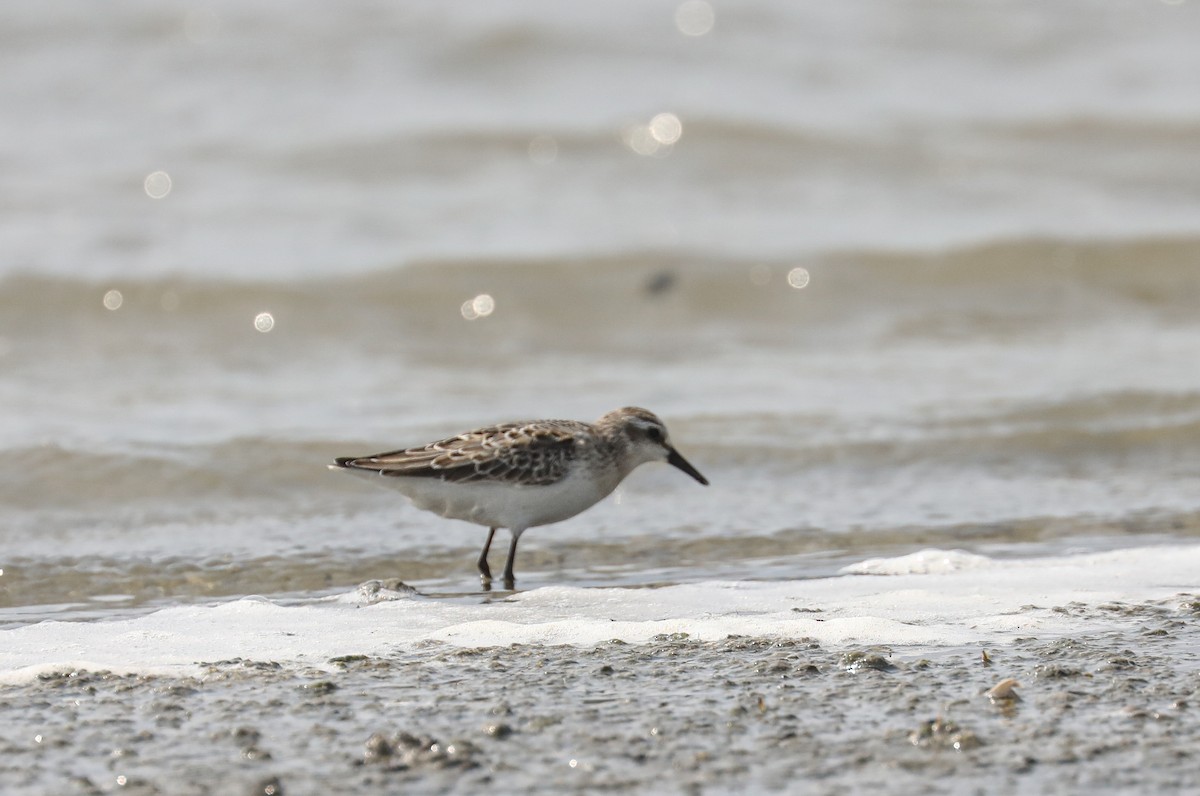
(614,302)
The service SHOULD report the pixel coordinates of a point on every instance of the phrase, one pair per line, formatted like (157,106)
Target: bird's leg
(509,580)
(485,572)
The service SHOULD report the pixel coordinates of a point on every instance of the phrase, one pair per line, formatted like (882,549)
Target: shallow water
(862,411)
(909,277)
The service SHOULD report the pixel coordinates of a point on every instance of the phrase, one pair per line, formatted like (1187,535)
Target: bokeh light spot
(113,300)
(157,184)
(481,306)
(798,278)
(655,138)
(264,322)
(666,128)
(484,305)
(694,17)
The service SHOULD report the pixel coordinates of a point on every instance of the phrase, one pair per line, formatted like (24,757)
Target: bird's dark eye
(654,435)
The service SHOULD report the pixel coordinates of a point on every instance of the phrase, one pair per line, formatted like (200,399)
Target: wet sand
(1118,711)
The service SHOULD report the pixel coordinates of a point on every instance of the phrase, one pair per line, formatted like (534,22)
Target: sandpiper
(521,475)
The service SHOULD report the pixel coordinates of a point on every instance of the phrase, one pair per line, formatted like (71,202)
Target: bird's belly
(501,505)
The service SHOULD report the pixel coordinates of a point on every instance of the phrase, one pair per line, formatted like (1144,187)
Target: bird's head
(646,439)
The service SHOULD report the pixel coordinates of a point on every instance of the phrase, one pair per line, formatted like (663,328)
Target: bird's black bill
(678,461)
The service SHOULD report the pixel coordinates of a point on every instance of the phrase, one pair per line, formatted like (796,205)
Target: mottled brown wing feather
(510,453)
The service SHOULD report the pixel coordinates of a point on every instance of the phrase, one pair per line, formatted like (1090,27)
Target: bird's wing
(525,453)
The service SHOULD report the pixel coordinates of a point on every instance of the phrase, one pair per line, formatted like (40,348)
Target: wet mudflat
(1116,711)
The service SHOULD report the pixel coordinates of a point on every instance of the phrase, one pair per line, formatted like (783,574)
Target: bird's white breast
(501,505)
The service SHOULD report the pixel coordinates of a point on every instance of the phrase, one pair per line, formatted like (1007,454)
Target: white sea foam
(977,600)
(926,562)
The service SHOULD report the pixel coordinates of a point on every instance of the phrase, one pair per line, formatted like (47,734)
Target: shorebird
(522,475)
